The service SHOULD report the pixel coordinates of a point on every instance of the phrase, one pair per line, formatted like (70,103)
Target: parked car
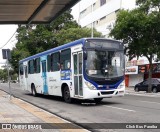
(143,86)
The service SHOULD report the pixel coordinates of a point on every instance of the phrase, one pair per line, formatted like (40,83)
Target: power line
(8,40)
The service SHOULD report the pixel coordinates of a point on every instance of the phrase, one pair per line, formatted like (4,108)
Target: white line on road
(150,102)
(120,108)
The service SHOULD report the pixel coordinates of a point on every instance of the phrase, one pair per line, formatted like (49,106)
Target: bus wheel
(98,100)
(66,95)
(34,93)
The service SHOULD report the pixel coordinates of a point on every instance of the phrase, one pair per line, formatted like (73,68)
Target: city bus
(88,68)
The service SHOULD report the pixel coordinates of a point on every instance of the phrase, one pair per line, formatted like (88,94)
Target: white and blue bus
(88,68)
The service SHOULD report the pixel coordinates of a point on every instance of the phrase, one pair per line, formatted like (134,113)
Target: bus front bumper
(90,94)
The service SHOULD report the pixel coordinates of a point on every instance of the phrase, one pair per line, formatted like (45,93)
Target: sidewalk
(16,115)
(130,90)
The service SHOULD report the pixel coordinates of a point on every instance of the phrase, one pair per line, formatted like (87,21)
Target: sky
(6,32)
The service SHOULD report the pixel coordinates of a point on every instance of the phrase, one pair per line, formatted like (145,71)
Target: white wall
(109,7)
(85,4)
(105,10)
(128,4)
(134,79)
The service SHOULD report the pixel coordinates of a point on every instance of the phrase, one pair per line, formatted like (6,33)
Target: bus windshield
(104,64)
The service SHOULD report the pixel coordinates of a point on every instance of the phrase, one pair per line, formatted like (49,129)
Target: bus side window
(21,69)
(55,61)
(66,59)
(28,67)
(31,67)
(49,62)
(37,65)
(26,74)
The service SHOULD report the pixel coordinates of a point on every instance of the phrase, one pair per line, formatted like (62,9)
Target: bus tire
(98,100)
(34,93)
(66,95)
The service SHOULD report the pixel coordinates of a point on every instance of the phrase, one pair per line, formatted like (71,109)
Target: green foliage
(140,30)
(3,74)
(72,34)
(34,39)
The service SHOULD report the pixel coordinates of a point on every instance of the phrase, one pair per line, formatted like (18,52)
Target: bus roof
(62,47)
(54,49)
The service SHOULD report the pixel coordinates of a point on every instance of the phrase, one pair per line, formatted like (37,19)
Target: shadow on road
(75,101)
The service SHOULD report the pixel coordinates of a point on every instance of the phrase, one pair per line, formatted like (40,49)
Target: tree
(140,30)
(34,39)
(3,74)
(72,34)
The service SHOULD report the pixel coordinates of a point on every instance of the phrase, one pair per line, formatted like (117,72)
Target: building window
(82,14)
(94,6)
(102,2)
(103,18)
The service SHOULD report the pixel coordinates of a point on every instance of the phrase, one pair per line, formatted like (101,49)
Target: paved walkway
(130,90)
(16,115)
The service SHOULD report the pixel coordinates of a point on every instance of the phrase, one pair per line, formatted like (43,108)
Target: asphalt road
(127,109)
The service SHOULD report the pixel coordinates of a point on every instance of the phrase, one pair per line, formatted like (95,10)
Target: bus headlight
(90,86)
(122,85)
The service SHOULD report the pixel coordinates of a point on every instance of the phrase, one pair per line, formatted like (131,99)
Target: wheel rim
(154,90)
(136,89)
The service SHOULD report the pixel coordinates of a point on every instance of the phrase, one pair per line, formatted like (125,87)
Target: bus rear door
(44,76)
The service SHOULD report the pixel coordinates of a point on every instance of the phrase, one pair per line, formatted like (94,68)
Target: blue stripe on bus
(104,86)
(62,47)
(80,41)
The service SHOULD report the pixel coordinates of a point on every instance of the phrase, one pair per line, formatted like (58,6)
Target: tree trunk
(150,75)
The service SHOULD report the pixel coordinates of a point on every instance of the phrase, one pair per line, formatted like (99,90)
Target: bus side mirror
(85,56)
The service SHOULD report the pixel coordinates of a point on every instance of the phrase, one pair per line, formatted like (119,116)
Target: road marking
(150,102)
(120,108)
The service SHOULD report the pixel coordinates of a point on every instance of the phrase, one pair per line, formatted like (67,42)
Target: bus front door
(44,77)
(77,64)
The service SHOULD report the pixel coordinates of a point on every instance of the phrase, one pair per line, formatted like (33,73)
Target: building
(100,14)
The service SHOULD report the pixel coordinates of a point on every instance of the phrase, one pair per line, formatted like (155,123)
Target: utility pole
(6,55)
(120,4)
(79,13)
